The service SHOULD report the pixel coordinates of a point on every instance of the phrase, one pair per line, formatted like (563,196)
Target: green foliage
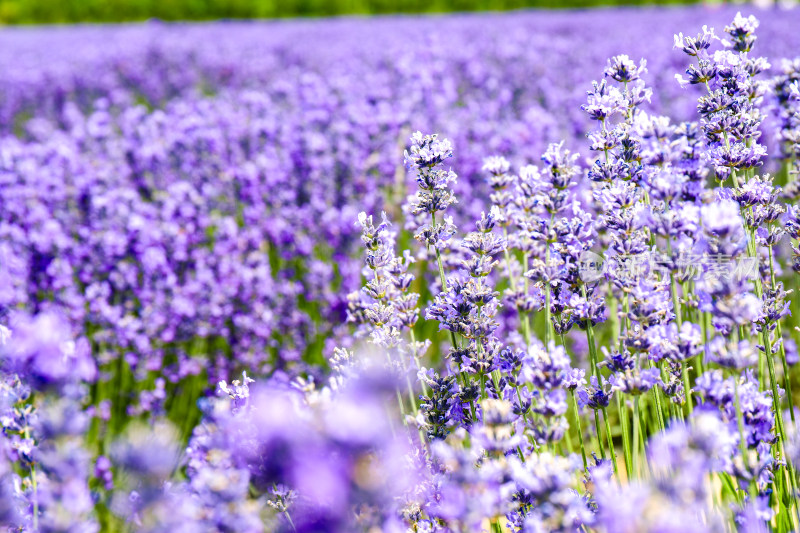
(69,11)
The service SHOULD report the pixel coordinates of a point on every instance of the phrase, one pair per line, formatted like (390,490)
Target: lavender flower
(195,336)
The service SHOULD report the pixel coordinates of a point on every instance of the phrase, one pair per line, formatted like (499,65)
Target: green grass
(71,11)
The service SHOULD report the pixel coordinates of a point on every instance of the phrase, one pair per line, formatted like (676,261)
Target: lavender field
(521,272)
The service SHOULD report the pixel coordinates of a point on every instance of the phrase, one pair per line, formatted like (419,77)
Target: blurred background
(71,11)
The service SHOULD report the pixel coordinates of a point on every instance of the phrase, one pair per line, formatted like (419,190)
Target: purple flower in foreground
(622,69)
(635,381)
(594,396)
(695,46)
(43,350)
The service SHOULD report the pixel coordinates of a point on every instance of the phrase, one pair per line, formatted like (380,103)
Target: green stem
(599,434)
(613,316)
(580,430)
(522,315)
(610,439)
(636,430)
(779,419)
(676,307)
(787,381)
(740,425)
(626,449)
(549,332)
(289,519)
(526,321)
(592,345)
(659,411)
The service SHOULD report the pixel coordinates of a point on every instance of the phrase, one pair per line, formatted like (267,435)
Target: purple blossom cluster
(228,304)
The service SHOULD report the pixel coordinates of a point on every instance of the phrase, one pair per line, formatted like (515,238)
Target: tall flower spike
(425,156)
(741,31)
(696,46)
(622,69)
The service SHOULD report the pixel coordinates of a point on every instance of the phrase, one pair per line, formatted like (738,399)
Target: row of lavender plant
(501,65)
(213,233)
(694,384)
(616,337)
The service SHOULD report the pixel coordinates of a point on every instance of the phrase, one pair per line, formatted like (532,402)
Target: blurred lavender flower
(43,349)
